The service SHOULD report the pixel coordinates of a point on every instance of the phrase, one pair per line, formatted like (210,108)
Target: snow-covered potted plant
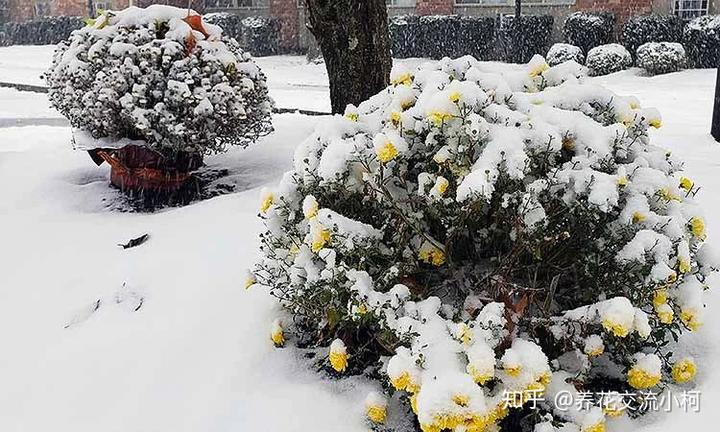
(480,239)
(151,91)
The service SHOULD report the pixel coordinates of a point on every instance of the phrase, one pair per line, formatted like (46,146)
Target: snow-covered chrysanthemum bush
(701,38)
(562,52)
(661,57)
(163,76)
(482,237)
(606,59)
(589,29)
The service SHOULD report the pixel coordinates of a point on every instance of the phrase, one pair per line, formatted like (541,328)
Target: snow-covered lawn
(196,356)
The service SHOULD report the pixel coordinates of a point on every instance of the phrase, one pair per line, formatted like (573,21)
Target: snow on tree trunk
(353,37)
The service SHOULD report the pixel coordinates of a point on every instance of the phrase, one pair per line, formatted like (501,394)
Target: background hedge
(702,41)
(589,29)
(536,37)
(639,30)
(44,31)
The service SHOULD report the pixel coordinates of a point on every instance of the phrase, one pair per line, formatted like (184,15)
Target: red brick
(287,12)
(435,7)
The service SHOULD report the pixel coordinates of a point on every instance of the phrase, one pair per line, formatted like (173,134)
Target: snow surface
(196,356)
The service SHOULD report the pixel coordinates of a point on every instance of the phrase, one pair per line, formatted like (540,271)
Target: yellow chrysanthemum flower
(277,334)
(404,382)
(513,370)
(656,123)
(455,97)
(684,371)
(538,69)
(686,183)
(352,116)
(404,79)
(386,152)
(461,399)
(622,181)
(377,414)
(438,117)
(395,118)
(478,376)
(321,237)
(665,314)
(615,328)
(660,297)
(668,195)
(250,281)
(442,185)
(597,427)
(413,403)
(432,255)
(338,356)
(697,227)
(464,333)
(640,379)
(595,352)
(267,201)
(638,217)
(690,319)
(684,265)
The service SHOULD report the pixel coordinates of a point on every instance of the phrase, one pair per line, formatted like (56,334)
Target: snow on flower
(338,355)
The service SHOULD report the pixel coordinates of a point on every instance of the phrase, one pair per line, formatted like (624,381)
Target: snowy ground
(196,356)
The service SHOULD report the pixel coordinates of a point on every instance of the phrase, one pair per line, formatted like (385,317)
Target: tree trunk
(715,128)
(354,40)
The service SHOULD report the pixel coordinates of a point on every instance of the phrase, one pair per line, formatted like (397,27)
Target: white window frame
(689,9)
(401,3)
(41,8)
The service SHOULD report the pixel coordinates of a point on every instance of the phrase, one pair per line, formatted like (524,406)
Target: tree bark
(715,127)
(354,40)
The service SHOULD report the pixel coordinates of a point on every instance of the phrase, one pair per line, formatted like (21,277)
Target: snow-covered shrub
(536,31)
(702,41)
(589,29)
(651,28)
(161,76)
(259,35)
(404,36)
(41,31)
(493,232)
(562,52)
(606,59)
(661,57)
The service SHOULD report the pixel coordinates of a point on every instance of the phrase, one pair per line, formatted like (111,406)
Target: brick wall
(287,11)
(69,7)
(623,9)
(435,7)
(21,10)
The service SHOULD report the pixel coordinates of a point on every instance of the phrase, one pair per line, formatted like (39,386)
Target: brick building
(292,13)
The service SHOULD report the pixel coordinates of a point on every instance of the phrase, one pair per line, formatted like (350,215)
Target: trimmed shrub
(258,35)
(438,35)
(261,35)
(160,76)
(490,234)
(651,28)
(562,52)
(475,37)
(661,57)
(702,41)
(589,29)
(404,36)
(606,59)
(43,31)
(536,31)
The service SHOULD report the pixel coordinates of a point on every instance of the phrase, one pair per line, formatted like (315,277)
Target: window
(401,3)
(689,9)
(101,5)
(42,8)
(232,4)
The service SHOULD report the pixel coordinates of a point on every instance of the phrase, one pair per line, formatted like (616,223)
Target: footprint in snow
(124,298)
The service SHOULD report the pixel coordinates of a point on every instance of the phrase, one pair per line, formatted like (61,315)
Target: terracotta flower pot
(136,168)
